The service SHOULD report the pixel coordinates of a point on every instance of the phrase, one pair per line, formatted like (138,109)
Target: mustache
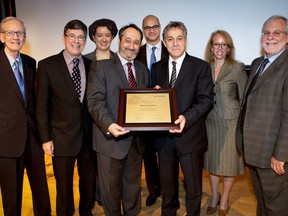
(128,49)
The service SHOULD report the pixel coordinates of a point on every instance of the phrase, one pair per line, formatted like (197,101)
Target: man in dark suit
(19,143)
(263,124)
(64,123)
(118,150)
(191,77)
(152,51)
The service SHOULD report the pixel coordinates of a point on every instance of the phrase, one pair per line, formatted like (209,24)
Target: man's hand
(117,130)
(48,148)
(277,166)
(181,121)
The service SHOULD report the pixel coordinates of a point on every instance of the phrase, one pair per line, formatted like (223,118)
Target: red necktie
(131,79)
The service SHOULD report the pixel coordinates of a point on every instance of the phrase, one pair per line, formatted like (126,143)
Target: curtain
(7,8)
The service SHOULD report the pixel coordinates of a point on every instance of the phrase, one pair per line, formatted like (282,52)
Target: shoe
(222,212)
(151,200)
(99,202)
(210,209)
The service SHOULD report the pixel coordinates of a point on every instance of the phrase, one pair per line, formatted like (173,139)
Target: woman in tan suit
(221,158)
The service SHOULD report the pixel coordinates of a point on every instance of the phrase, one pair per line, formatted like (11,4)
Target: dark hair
(132,25)
(110,24)
(76,24)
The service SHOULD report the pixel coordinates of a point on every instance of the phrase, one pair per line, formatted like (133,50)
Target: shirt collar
(179,60)
(274,57)
(124,61)
(12,60)
(149,46)
(69,58)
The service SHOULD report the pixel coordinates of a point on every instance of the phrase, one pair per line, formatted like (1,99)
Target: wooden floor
(242,201)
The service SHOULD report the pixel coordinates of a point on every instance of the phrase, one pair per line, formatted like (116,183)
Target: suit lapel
(271,70)
(63,69)
(8,73)
(226,68)
(120,71)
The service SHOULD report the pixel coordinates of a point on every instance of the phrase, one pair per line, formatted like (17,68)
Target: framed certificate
(147,109)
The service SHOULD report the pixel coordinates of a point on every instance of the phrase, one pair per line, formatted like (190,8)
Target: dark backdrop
(7,8)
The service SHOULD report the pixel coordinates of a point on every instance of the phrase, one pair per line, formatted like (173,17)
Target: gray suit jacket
(106,77)
(265,131)
(229,87)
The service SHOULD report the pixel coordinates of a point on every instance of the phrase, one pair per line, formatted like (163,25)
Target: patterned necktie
(131,79)
(252,84)
(173,75)
(19,78)
(76,76)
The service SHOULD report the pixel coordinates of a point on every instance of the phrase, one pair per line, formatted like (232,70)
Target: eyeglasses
(218,45)
(148,28)
(275,33)
(72,37)
(12,33)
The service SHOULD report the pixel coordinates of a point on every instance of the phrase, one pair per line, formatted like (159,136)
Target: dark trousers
(191,165)
(64,172)
(11,180)
(271,191)
(120,183)
(151,168)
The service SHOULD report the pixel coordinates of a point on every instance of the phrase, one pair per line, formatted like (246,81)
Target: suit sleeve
(241,78)
(203,98)
(96,96)
(281,146)
(42,106)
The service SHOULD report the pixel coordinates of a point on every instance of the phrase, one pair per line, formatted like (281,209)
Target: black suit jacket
(16,116)
(142,55)
(194,90)
(61,117)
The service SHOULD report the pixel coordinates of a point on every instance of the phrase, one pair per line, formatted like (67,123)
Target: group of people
(69,110)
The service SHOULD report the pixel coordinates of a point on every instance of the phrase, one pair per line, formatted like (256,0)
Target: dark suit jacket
(142,55)
(266,122)
(194,87)
(92,55)
(105,80)
(16,116)
(60,115)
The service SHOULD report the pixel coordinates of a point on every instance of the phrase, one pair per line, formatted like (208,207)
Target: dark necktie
(173,75)
(131,79)
(252,84)
(19,78)
(76,76)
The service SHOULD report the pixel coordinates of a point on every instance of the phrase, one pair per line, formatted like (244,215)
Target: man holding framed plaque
(191,77)
(118,150)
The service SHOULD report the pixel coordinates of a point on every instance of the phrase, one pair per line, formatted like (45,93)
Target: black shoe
(99,202)
(151,200)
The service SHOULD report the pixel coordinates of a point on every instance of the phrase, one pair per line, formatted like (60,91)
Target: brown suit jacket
(266,122)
